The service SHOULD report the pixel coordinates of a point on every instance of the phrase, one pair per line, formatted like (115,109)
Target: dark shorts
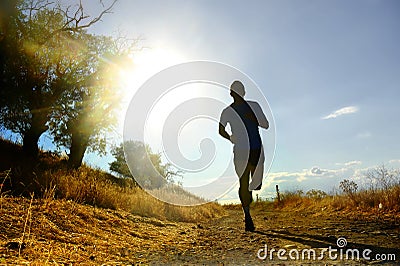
(249,164)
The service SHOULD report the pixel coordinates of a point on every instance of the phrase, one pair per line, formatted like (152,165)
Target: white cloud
(364,135)
(317,171)
(395,163)
(342,111)
(306,179)
(350,163)
(301,178)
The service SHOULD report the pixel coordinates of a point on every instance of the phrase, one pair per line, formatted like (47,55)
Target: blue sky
(310,59)
(330,71)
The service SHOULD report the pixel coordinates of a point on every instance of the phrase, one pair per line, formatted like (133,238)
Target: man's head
(237,89)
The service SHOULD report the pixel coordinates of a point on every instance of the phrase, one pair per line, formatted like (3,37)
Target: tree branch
(75,22)
(80,16)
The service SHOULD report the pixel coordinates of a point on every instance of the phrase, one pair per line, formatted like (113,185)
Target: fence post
(277,194)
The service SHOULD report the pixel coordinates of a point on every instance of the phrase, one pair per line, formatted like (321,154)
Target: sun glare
(143,65)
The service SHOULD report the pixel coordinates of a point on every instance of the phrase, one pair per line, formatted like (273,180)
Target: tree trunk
(31,137)
(30,143)
(24,181)
(79,143)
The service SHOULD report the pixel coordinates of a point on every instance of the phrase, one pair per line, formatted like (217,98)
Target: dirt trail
(224,242)
(66,233)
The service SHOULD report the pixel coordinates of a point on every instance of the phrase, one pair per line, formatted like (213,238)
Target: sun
(145,63)
(141,66)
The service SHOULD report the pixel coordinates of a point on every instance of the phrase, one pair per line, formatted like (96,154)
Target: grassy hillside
(51,214)
(50,179)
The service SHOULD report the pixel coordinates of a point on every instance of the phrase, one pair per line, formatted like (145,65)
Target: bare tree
(383,178)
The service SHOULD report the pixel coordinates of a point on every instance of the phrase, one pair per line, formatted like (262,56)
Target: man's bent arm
(223,132)
(264,123)
(262,119)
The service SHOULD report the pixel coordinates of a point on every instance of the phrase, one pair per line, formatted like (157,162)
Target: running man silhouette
(244,118)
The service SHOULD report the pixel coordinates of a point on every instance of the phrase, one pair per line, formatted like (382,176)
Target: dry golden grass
(54,232)
(84,216)
(100,189)
(365,201)
(382,199)
(380,193)
(49,178)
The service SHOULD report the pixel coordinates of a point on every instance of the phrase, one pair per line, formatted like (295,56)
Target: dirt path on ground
(224,242)
(66,233)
